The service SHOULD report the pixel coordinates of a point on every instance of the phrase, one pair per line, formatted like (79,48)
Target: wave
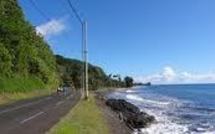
(168,125)
(199,108)
(130,91)
(137,98)
(165,128)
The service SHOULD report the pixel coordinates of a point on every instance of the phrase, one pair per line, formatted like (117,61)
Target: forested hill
(26,61)
(71,70)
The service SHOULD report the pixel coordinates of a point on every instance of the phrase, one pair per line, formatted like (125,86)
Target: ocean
(178,109)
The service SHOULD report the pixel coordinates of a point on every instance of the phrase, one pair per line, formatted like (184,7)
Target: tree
(128,81)
(5,61)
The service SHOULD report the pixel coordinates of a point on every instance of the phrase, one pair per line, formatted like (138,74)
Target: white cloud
(53,27)
(170,76)
(198,78)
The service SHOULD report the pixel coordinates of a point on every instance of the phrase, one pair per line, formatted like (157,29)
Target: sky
(162,41)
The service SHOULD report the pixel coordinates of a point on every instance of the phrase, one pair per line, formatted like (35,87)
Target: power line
(84,40)
(75,11)
(38,9)
(75,14)
(44,15)
(84,47)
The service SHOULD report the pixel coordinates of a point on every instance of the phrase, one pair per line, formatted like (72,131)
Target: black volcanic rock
(122,105)
(130,113)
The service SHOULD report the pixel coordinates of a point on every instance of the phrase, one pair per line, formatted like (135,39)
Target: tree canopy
(128,81)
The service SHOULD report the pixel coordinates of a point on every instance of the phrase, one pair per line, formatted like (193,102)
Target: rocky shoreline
(130,114)
(123,117)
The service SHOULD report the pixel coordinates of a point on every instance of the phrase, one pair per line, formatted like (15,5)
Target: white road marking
(32,117)
(69,97)
(48,98)
(59,103)
(22,106)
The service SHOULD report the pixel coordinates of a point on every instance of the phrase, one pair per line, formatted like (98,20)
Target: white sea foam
(137,98)
(163,125)
(129,91)
(165,128)
(205,133)
(166,125)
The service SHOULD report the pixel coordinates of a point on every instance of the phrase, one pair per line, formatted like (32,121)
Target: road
(36,116)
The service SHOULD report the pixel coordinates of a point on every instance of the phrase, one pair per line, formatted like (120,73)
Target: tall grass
(20,84)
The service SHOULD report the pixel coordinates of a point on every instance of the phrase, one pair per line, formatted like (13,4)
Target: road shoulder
(84,118)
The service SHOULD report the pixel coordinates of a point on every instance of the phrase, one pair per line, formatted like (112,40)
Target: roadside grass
(8,98)
(20,84)
(84,118)
(18,88)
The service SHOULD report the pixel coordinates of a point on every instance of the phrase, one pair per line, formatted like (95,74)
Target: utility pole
(85,92)
(85,52)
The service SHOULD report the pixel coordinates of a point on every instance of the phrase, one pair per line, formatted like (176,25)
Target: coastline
(116,126)
(116,123)
(175,107)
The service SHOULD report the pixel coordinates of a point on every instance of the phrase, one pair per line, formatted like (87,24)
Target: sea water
(178,109)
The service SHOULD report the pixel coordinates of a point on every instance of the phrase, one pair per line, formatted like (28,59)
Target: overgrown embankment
(8,98)
(20,84)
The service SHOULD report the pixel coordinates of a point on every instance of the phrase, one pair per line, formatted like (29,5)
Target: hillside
(71,70)
(26,61)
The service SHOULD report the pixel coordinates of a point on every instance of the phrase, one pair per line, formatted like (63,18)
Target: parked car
(60,89)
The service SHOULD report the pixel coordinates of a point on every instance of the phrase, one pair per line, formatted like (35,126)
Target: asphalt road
(36,116)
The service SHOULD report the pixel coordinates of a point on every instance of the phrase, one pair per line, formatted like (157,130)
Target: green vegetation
(7,98)
(26,61)
(20,84)
(71,70)
(85,118)
(128,81)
